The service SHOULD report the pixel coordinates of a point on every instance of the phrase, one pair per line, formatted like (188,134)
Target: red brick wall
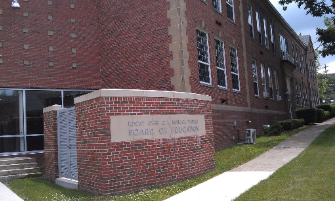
(38,73)
(50,145)
(106,167)
(134,44)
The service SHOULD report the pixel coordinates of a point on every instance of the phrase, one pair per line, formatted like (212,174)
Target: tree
(319,8)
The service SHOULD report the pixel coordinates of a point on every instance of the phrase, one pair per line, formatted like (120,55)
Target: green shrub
(308,114)
(327,115)
(266,131)
(326,107)
(286,124)
(290,124)
(298,123)
(320,113)
(275,129)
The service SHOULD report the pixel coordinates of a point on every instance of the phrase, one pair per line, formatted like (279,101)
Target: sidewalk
(229,185)
(7,195)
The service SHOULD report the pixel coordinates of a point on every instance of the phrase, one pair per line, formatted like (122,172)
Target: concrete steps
(18,168)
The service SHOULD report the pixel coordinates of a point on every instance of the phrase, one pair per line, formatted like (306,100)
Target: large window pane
(11,113)
(35,102)
(35,143)
(11,144)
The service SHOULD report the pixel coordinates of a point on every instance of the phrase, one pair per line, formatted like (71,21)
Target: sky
(306,25)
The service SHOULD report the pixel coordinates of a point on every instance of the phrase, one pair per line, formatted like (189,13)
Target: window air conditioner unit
(250,136)
(265,94)
(279,97)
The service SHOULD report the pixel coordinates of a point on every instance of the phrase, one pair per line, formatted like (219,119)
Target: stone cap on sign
(141,93)
(52,108)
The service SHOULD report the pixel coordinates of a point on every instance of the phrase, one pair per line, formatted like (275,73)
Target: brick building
(241,53)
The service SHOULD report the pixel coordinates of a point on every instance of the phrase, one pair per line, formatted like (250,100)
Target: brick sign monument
(129,140)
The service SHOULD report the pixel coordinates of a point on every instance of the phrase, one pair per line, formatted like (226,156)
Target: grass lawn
(310,176)
(36,189)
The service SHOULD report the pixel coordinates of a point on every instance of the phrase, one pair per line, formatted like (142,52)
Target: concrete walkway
(231,184)
(7,195)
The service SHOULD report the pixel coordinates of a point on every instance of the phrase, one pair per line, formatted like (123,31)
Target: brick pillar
(51,142)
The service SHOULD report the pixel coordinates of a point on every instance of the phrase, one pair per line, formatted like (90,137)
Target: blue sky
(306,25)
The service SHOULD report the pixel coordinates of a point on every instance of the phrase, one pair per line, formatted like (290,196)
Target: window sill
(223,88)
(217,11)
(206,85)
(231,21)
(237,91)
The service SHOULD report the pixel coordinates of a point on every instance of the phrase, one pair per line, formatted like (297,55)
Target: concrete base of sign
(67,183)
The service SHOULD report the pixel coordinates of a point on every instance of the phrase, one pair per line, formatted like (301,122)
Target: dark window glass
(35,143)
(230,10)
(35,102)
(11,122)
(10,144)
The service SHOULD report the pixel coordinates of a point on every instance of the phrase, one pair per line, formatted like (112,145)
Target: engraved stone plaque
(140,127)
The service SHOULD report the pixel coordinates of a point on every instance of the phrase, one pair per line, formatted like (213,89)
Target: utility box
(250,136)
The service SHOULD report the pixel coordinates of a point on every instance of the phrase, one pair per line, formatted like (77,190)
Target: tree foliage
(319,8)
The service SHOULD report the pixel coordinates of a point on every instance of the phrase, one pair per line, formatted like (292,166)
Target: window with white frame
(203,57)
(230,10)
(259,30)
(283,46)
(265,94)
(234,69)
(266,38)
(270,84)
(272,39)
(220,63)
(303,65)
(217,5)
(297,93)
(277,85)
(250,21)
(255,77)
(297,57)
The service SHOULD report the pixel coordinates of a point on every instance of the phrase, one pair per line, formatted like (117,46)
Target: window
(203,57)
(270,83)
(283,46)
(272,39)
(277,86)
(220,63)
(250,21)
(258,21)
(266,38)
(234,68)
(230,10)
(255,77)
(302,62)
(21,117)
(265,94)
(217,5)
(297,93)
